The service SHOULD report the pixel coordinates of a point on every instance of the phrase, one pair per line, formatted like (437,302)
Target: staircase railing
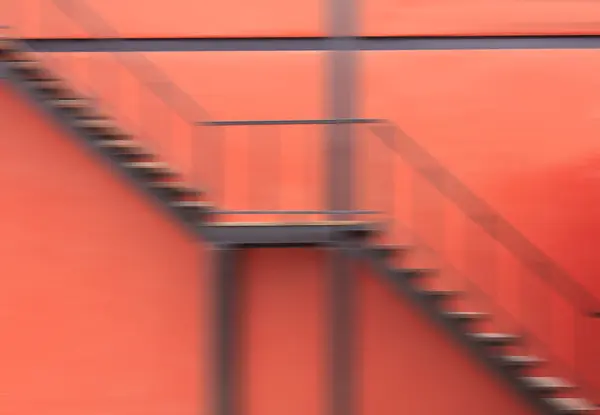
(479,252)
(134,89)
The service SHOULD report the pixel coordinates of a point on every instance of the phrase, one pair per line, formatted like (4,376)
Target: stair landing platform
(283,234)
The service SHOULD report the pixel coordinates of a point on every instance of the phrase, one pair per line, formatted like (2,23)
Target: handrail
(489,219)
(326,121)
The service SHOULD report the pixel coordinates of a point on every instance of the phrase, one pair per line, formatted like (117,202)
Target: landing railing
(273,170)
(479,252)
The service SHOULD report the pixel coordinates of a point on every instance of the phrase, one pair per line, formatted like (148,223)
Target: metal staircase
(144,169)
(499,351)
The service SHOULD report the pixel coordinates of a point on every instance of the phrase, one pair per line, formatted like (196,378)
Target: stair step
(175,186)
(547,384)
(149,165)
(571,406)
(71,103)
(466,316)
(150,168)
(494,339)
(520,361)
(191,204)
(9,50)
(439,295)
(386,251)
(126,144)
(30,67)
(26,64)
(5,44)
(414,273)
(96,123)
(343,223)
(48,84)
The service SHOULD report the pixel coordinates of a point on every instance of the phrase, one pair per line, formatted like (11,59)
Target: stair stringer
(455,329)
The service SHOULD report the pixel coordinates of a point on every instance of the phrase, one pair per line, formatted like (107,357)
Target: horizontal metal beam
(316,43)
(329,121)
(295,212)
(284,235)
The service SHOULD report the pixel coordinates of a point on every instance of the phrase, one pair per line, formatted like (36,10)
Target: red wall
(284,332)
(263,18)
(478,17)
(178,18)
(102,299)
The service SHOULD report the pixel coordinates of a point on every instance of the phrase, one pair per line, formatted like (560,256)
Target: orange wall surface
(478,17)
(260,18)
(284,332)
(176,18)
(102,299)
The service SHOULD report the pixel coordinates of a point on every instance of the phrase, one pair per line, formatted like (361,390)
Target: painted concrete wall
(102,299)
(238,18)
(179,18)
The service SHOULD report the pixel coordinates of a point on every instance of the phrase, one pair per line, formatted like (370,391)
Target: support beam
(341,298)
(3,70)
(341,90)
(226,330)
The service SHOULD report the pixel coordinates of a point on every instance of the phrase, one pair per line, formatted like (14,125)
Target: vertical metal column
(3,70)
(225,330)
(342,283)
(341,91)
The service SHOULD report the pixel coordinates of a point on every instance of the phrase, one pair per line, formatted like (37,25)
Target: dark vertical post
(341,92)
(225,330)
(341,95)
(3,70)
(341,333)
